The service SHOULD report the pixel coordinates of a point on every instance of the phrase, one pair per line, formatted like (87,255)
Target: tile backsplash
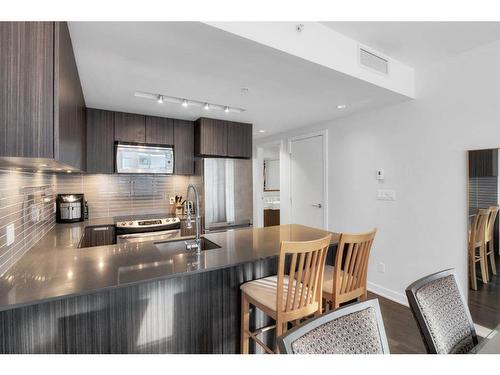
(117,195)
(27,201)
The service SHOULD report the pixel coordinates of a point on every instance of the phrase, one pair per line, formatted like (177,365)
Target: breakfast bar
(146,297)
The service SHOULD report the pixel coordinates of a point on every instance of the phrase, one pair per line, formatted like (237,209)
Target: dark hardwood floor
(401,329)
(484,303)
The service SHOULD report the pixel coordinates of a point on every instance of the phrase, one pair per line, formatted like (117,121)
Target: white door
(307,181)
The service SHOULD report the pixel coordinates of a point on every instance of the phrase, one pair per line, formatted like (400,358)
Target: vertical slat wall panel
(198,313)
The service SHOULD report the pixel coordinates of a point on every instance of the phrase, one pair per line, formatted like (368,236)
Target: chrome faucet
(196,243)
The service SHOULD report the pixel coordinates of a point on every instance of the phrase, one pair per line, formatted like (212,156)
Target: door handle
(317,205)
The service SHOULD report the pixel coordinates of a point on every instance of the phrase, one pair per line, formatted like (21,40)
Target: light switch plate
(386,195)
(11,234)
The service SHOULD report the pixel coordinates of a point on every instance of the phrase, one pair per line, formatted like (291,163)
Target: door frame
(324,134)
(259,180)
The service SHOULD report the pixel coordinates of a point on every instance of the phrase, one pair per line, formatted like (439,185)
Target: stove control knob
(130,223)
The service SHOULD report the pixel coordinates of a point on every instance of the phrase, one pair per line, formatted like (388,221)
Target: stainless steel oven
(146,228)
(144,158)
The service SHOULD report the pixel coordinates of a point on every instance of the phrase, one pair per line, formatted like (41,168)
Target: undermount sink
(180,246)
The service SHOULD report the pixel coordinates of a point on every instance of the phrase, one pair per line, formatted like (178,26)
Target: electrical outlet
(172,200)
(11,234)
(381,267)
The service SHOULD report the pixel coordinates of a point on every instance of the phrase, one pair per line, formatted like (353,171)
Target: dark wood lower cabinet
(271,217)
(98,236)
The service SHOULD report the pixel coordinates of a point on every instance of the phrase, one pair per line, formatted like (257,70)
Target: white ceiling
(196,61)
(419,43)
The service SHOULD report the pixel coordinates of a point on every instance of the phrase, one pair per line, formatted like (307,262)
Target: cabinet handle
(317,205)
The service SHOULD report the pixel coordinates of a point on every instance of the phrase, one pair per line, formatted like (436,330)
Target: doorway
(308,180)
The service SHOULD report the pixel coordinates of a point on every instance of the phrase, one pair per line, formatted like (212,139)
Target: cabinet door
(483,163)
(239,140)
(271,217)
(27,89)
(130,127)
(99,236)
(183,147)
(210,137)
(69,104)
(159,130)
(100,141)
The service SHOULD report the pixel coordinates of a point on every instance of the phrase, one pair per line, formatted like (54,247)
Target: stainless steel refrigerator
(228,193)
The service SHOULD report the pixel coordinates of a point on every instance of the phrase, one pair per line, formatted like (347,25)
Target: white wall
(422,147)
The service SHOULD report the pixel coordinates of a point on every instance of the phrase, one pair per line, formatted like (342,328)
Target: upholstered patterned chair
(442,314)
(355,329)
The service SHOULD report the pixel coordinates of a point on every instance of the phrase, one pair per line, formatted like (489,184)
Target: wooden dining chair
(477,246)
(293,294)
(346,280)
(489,240)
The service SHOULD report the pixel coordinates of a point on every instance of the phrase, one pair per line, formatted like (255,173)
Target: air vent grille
(370,60)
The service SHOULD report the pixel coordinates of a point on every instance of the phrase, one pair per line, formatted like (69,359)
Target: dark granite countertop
(56,268)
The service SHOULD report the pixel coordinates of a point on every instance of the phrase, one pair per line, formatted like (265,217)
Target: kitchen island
(137,297)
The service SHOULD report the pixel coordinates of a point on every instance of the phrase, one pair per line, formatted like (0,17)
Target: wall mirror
(483,228)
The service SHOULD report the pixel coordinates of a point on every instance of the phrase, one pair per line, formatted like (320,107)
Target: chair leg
(492,257)
(472,272)
(482,262)
(279,332)
(245,324)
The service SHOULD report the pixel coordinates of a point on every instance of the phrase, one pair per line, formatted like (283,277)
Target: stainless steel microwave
(144,158)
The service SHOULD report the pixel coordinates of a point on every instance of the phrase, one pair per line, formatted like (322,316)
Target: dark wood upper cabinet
(183,147)
(42,109)
(100,141)
(483,163)
(159,130)
(210,137)
(27,89)
(239,140)
(130,127)
(69,104)
(220,138)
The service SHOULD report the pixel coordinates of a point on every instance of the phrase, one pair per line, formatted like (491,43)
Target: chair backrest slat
(351,262)
(490,228)
(478,228)
(305,274)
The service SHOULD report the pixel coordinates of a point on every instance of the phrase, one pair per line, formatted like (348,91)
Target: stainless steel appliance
(141,228)
(228,193)
(144,158)
(69,208)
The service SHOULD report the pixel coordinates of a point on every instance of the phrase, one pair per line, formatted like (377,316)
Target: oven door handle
(147,234)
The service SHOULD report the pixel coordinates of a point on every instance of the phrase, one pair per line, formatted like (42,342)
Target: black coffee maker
(70,208)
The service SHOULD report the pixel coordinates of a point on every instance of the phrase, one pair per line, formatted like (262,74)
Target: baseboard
(482,331)
(388,293)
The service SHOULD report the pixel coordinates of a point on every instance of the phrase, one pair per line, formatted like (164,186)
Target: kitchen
(107,205)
